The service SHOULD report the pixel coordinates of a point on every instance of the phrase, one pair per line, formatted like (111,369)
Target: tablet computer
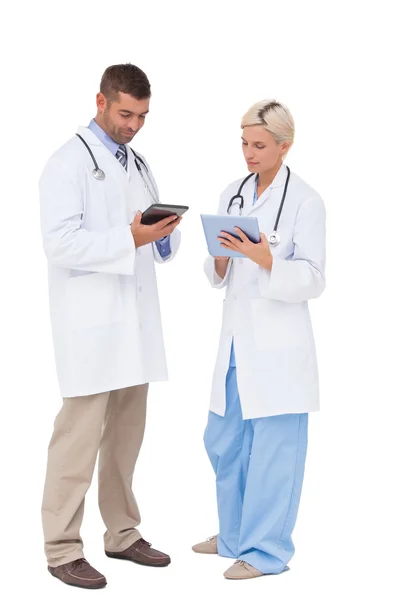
(157,212)
(214,224)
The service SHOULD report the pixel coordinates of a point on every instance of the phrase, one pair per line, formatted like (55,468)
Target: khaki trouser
(112,425)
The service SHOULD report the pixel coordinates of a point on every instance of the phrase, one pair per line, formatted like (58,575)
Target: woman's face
(261,151)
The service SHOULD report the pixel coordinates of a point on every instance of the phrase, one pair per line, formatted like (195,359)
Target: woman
(266,377)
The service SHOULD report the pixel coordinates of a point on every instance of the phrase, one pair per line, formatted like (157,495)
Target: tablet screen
(157,212)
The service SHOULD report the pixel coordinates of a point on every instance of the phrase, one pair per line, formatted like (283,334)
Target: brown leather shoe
(79,573)
(142,553)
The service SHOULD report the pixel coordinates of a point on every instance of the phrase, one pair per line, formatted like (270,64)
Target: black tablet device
(157,212)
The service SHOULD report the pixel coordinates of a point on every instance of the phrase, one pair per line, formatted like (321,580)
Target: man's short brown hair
(127,79)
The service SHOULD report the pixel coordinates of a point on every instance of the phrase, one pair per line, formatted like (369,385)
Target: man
(106,324)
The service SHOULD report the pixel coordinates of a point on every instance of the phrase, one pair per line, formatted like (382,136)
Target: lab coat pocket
(277,324)
(94,300)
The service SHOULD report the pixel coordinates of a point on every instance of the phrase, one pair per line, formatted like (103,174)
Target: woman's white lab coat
(267,312)
(103,291)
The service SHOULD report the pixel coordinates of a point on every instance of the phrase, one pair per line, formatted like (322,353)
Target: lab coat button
(140,288)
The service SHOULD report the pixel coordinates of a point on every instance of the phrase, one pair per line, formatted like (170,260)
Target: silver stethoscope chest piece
(274,239)
(98,174)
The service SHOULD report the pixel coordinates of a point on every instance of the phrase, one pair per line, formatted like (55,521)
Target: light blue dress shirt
(232,361)
(163,245)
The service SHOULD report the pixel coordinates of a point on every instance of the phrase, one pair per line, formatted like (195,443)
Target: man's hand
(259,253)
(146,234)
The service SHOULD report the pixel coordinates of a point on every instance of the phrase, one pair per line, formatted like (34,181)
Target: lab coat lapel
(248,195)
(105,159)
(278,182)
(89,137)
(131,166)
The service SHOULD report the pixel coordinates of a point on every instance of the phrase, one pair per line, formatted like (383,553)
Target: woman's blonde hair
(274,117)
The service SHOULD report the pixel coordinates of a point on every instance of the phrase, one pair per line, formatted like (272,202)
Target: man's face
(122,118)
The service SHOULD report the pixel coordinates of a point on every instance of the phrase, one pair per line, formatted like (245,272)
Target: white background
(334,65)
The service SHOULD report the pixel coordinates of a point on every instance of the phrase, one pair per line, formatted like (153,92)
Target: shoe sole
(144,564)
(256,577)
(85,587)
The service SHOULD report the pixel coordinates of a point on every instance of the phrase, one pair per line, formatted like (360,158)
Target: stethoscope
(99,174)
(274,237)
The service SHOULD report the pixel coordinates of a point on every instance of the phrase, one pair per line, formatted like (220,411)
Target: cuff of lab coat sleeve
(270,282)
(264,278)
(126,264)
(217,282)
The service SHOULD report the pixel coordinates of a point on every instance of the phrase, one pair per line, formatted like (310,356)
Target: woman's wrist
(267,262)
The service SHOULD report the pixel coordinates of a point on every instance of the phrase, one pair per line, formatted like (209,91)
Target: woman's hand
(221,264)
(259,253)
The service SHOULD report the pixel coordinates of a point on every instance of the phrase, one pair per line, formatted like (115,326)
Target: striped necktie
(121,155)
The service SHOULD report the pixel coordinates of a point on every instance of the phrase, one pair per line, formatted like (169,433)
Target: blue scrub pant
(259,466)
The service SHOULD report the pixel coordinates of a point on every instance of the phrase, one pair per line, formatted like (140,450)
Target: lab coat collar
(101,150)
(90,137)
(280,177)
(278,181)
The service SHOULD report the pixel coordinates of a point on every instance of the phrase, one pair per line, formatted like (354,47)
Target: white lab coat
(104,302)
(267,312)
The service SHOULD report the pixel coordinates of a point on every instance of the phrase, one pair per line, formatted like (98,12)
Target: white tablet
(213,225)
